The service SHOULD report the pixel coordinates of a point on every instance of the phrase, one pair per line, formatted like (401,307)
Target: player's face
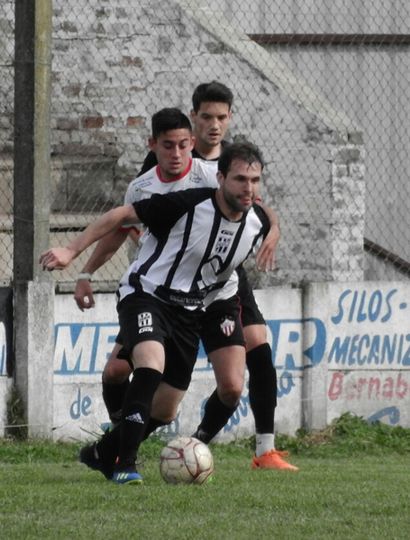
(211,122)
(173,150)
(240,187)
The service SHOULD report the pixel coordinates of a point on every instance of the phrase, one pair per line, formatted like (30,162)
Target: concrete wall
(336,347)
(6,338)
(366,348)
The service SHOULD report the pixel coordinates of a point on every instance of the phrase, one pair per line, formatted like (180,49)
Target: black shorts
(250,311)
(144,318)
(221,325)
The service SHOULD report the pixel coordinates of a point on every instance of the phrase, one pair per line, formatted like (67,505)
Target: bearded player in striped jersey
(211,114)
(196,239)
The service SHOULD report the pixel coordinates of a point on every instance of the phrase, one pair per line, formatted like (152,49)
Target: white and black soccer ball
(186,460)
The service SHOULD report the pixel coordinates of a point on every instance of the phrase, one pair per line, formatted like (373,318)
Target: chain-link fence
(6,139)
(321,87)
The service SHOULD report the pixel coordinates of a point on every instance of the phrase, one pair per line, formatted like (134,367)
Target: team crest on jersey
(227,326)
(145,322)
(224,241)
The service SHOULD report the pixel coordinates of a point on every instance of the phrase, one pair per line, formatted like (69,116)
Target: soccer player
(211,114)
(195,240)
(172,141)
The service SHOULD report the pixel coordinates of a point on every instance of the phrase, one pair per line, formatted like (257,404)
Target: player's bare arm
(266,255)
(60,257)
(104,250)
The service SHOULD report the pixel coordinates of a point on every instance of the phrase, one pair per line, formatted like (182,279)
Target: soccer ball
(186,460)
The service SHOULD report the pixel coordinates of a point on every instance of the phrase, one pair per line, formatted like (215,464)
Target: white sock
(264,443)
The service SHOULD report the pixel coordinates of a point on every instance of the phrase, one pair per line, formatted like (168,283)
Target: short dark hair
(167,119)
(213,91)
(244,150)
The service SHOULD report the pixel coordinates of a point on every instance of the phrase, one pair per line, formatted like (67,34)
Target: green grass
(353,483)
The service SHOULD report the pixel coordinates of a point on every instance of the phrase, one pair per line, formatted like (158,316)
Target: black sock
(262,387)
(152,425)
(107,448)
(216,415)
(135,414)
(113,396)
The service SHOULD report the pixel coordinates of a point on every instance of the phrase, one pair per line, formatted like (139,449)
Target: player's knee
(116,371)
(168,417)
(255,336)
(165,416)
(230,394)
(165,412)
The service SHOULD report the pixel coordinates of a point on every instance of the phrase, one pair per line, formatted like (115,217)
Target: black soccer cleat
(202,436)
(89,456)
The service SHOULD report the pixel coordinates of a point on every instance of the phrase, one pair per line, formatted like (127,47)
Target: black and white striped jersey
(191,249)
(198,174)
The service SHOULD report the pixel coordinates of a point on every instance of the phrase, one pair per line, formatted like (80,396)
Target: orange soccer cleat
(273,460)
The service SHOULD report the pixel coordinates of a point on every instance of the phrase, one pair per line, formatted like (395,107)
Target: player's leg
(229,365)
(229,368)
(262,381)
(115,381)
(175,381)
(164,407)
(164,323)
(223,341)
(148,358)
(115,453)
(101,455)
(180,355)
(262,385)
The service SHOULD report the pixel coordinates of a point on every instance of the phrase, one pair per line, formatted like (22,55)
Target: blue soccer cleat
(129,477)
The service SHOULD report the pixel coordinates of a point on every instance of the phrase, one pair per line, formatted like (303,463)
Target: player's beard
(234,203)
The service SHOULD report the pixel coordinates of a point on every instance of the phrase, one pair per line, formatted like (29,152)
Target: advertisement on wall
(368,352)
(352,340)
(84,340)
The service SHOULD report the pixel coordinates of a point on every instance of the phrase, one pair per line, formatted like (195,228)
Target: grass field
(353,483)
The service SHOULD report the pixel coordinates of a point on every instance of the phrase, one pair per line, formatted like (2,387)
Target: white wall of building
(337,347)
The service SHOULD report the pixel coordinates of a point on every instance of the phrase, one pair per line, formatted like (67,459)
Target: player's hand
(56,258)
(83,294)
(266,255)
